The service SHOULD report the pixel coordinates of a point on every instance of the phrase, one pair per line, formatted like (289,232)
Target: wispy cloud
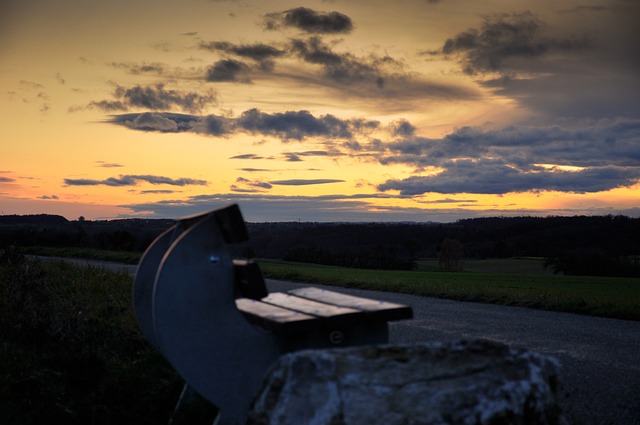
(261,53)
(104,164)
(6,179)
(134,180)
(157,192)
(250,186)
(155,68)
(305,182)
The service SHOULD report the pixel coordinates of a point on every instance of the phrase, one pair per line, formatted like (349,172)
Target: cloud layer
(289,125)
(134,180)
(591,158)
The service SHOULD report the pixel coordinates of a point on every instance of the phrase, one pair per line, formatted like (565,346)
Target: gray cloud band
(133,180)
(296,125)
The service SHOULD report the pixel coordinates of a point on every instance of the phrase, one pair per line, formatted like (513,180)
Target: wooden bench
(318,318)
(213,319)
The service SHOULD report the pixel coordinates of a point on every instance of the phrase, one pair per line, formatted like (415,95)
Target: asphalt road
(600,357)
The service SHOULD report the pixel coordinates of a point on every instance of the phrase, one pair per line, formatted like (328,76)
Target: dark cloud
(403,128)
(495,177)
(309,21)
(256,170)
(292,157)
(155,97)
(54,197)
(245,185)
(303,182)
(228,70)
(296,125)
(343,68)
(261,53)
(247,156)
(590,158)
(504,40)
(6,180)
(293,124)
(133,180)
(158,121)
(372,76)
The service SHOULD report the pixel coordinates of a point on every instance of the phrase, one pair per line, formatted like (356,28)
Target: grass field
(511,284)
(511,281)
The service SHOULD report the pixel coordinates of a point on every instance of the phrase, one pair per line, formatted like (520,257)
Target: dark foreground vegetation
(584,246)
(71,351)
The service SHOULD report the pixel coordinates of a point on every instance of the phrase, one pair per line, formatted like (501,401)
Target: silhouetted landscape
(580,245)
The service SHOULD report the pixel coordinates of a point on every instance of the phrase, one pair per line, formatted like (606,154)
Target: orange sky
(320,111)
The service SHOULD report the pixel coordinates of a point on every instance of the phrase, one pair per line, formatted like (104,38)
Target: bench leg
(192,409)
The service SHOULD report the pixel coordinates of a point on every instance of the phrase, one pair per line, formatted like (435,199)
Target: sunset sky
(345,110)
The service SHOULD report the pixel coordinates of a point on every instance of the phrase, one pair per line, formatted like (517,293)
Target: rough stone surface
(466,382)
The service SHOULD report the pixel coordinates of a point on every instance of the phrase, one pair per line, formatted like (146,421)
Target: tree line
(579,245)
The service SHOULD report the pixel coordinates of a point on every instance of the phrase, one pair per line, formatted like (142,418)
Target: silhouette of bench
(211,316)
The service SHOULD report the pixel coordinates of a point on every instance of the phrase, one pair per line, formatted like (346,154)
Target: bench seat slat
(274,318)
(306,306)
(382,309)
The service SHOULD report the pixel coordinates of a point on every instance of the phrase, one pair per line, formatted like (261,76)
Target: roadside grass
(125,257)
(512,281)
(71,351)
(600,296)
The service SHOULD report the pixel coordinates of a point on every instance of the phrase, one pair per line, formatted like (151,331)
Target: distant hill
(43,219)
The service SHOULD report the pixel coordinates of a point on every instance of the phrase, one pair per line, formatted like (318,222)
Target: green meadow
(522,281)
(519,282)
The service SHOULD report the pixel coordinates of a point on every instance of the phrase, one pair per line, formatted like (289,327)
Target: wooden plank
(274,318)
(381,309)
(306,306)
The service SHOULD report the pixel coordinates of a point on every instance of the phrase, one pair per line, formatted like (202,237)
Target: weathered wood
(306,306)
(274,318)
(311,309)
(380,309)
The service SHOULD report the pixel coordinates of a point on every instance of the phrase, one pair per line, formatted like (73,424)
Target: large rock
(466,382)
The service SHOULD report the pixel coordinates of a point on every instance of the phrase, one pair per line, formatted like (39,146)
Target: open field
(601,296)
(510,281)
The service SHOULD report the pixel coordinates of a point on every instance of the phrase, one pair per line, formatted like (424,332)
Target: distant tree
(451,257)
